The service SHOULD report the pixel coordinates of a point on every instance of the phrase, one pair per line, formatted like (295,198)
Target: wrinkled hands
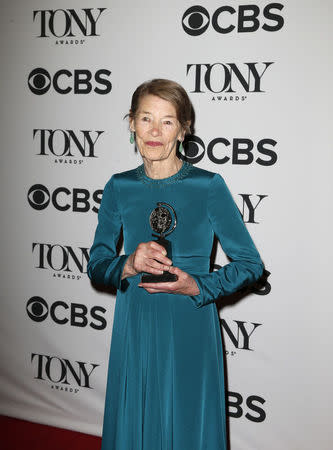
(148,257)
(151,257)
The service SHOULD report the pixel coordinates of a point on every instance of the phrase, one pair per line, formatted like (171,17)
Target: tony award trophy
(162,224)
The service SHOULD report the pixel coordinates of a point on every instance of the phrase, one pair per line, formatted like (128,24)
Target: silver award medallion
(163,221)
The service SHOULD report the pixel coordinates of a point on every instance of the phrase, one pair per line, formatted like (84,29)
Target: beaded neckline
(181,174)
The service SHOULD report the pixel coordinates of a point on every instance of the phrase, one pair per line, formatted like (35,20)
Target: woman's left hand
(185,285)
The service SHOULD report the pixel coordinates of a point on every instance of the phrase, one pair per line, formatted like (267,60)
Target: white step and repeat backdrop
(258,74)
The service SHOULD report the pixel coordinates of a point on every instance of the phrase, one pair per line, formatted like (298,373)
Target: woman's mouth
(154,143)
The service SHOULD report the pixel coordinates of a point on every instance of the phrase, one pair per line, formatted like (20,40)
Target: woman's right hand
(148,257)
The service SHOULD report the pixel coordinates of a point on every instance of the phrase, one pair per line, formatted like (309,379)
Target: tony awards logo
(162,223)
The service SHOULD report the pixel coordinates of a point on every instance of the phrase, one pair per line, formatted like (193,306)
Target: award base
(165,276)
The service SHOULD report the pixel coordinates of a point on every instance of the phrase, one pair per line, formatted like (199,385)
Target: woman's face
(157,128)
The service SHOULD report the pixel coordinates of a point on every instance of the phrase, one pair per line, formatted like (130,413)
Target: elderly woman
(165,387)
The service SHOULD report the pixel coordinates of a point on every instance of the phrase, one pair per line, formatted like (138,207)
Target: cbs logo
(226,19)
(253,404)
(62,313)
(65,81)
(237,151)
(39,197)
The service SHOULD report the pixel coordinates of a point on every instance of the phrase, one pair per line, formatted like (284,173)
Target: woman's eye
(167,122)
(145,119)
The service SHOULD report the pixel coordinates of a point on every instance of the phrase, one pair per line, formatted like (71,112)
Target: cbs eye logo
(38,197)
(194,149)
(195,20)
(39,81)
(37,309)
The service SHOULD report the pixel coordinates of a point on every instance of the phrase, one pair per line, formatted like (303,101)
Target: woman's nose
(155,129)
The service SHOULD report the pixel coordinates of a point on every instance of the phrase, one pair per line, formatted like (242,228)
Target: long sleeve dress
(165,388)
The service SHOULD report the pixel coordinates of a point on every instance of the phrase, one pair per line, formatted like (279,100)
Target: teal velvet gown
(165,388)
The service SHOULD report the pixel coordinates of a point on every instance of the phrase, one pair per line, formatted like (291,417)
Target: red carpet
(19,434)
